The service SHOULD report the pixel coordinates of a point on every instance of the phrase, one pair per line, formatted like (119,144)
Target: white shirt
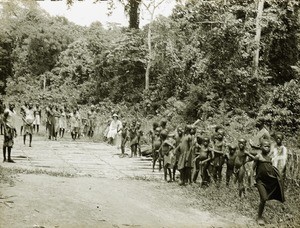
(279,157)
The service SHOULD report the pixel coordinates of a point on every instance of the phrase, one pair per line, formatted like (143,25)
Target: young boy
(155,147)
(229,159)
(28,120)
(178,139)
(268,179)
(37,120)
(204,155)
(165,152)
(184,155)
(10,131)
(239,165)
(218,155)
(279,155)
(124,138)
(92,119)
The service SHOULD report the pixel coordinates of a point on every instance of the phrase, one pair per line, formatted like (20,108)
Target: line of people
(193,152)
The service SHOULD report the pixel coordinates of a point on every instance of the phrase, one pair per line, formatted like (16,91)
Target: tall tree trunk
(134,14)
(257,37)
(149,56)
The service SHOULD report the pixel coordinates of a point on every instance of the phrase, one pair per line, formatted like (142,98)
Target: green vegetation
(201,68)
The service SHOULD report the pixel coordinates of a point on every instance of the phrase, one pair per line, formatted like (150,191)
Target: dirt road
(105,191)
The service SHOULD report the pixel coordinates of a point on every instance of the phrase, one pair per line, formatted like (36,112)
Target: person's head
(37,105)
(205,141)
(26,104)
(193,130)
(260,123)
(265,147)
(242,143)
(163,134)
(92,107)
(187,129)
(179,131)
(232,148)
(115,116)
(220,134)
(157,131)
(30,105)
(155,125)
(163,123)
(279,138)
(11,106)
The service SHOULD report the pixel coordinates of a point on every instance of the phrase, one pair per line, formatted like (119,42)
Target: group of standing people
(60,119)
(192,152)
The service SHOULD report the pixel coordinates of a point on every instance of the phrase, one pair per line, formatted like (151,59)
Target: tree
(151,8)
(130,6)
(257,36)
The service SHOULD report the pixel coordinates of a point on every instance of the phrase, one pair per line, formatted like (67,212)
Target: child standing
(10,131)
(239,165)
(218,160)
(229,159)
(204,155)
(184,155)
(124,138)
(279,155)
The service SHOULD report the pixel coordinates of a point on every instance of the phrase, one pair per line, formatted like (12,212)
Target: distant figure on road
(28,120)
(10,131)
(37,120)
(114,127)
(2,108)
(92,118)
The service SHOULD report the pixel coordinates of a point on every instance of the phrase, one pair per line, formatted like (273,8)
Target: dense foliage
(202,61)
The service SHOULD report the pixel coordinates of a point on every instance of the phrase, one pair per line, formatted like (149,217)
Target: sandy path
(103,193)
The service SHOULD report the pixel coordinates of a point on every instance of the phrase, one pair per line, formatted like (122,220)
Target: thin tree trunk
(150,56)
(257,37)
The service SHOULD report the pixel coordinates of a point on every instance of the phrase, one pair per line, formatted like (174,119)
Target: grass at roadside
(6,172)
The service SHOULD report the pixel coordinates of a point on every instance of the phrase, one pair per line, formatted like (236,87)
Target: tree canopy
(201,55)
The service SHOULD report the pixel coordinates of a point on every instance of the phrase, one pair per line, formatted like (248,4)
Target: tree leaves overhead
(202,55)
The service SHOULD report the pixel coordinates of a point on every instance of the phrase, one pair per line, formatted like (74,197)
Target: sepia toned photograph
(149,113)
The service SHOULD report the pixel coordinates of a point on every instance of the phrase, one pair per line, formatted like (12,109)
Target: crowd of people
(196,154)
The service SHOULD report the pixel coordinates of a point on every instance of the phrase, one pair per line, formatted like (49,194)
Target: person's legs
(9,155)
(24,139)
(240,177)
(165,173)
(229,172)
(174,170)
(37,128)
(4,154)
(170,175)
(30,139)
(154,159)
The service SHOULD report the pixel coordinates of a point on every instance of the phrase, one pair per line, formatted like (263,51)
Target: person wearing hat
(92,120)
(114,127)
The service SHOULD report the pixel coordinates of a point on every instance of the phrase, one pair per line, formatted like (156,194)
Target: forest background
(200,64)
(199,61)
